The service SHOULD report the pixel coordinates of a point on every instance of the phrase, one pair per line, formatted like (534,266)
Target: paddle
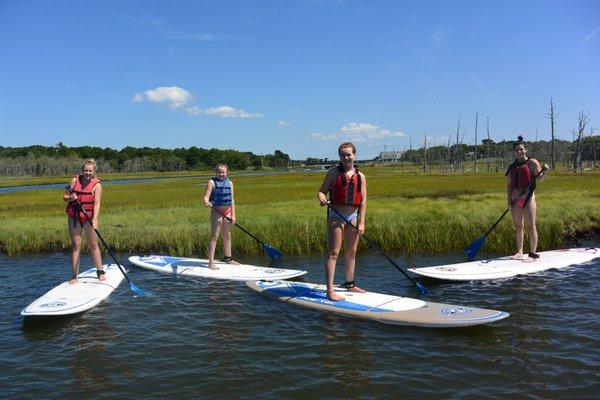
(422,289)
(474,247)
(132,286)
(270,250)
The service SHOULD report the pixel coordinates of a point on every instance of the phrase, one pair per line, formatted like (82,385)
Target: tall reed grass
(406,213)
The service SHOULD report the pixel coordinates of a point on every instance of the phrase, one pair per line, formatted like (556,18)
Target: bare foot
(531,257)
(212,266)
(333,296)
(73,281)
(356,289)
(230,261)
(529,260)
(518,256)
(101,275)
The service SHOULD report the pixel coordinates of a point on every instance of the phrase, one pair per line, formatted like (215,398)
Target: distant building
(390,156)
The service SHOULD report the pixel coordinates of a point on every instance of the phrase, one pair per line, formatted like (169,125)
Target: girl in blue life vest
(86,190)
(522,174)
(219,197)
(348,195)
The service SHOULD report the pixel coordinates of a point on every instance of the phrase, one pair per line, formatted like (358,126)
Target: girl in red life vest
(522,174)
(219,196)
(348,189)
(87,190)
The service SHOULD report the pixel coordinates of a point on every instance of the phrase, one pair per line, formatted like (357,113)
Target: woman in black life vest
(87,189)
(522,174)
(348,188)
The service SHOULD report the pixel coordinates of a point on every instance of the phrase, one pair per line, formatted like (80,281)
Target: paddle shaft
(238,225)
(87,217)
(372,243)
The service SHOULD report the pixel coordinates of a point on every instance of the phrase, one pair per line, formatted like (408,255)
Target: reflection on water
(216,339)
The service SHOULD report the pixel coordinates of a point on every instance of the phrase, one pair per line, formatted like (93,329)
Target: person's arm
(362,208)
(97,201)
(327,182)
(209,188)
(232,204)
(542,171)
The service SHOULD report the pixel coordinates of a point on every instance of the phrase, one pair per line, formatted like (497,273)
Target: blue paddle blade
(136,289)
(272,251)
(474,247)
(422,289)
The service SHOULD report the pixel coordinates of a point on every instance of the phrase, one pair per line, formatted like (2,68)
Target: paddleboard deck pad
(506,267)
(67,299)
(383,308)
(199,267)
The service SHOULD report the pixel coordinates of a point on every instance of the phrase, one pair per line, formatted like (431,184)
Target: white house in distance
(390,156)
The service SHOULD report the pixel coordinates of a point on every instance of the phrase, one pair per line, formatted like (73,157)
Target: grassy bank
(406,213)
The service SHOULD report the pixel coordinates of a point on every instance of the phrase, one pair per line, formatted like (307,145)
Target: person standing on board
(348,196)
(522,174)
(86,191)
(219,196)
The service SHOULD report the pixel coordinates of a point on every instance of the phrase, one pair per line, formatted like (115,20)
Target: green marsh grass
(406,213)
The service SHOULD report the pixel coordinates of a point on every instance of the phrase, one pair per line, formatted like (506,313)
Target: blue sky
(299,76)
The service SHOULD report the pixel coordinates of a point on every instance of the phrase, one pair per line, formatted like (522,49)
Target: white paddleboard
(375,306)
(506,267)
(199,267)
(66,298)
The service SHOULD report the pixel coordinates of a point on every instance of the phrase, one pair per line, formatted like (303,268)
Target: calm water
(197,338)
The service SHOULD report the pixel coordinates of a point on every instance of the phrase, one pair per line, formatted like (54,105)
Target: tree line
(40,160)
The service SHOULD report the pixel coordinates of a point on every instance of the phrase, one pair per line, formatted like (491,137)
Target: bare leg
(517,215)
(334,244)
(92,240)
(351,239)
(75,233)
(227,241)
(215,227)
(530,211)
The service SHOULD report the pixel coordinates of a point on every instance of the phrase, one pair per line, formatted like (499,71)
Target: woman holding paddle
(84,195)
(348,204)
(219,196)
(522,174)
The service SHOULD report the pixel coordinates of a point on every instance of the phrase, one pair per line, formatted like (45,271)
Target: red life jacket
(346,191)
(86,197)
(520,175)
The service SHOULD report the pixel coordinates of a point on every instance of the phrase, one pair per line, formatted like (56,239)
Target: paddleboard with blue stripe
(506,267)
(379,307)
(199,268)
(67,299)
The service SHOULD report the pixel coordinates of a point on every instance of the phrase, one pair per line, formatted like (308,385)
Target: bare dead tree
(457,149)
(582,123)
(552,116)
(425,153)
(476,122)
(488,144)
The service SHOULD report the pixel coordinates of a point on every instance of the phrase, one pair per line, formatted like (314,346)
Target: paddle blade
(272,251)
(422,289)
(136,289)
(474,247)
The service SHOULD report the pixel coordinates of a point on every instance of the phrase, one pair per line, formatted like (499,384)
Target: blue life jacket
(221,194)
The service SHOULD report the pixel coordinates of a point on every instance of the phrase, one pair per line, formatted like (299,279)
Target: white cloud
(357,132)
(176,98)
(440,37)
(283,124)
(172,97)
(223,111)
(589,36)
